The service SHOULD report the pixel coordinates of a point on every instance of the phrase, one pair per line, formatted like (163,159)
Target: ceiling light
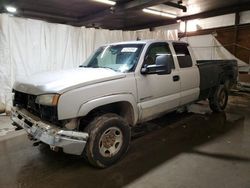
(106,2)
(11,9)
(159,13)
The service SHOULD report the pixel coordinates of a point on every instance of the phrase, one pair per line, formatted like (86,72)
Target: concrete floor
(5,125)
(176,151)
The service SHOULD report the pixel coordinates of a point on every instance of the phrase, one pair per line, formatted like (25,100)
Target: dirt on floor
(177,150)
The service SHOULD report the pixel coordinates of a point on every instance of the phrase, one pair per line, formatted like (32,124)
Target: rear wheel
(109,138)
(218,99)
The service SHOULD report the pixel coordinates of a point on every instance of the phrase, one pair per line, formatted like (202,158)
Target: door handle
(176,78)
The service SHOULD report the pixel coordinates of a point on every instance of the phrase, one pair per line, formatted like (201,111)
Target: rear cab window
(183,55)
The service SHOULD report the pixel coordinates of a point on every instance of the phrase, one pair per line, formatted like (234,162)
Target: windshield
(121,58)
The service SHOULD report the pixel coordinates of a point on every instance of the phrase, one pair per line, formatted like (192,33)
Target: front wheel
(218,99)
(109,139)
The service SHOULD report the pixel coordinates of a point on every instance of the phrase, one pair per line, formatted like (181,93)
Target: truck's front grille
(28,102)
(20,99)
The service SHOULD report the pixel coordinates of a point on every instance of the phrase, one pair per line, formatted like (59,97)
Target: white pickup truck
(90,110)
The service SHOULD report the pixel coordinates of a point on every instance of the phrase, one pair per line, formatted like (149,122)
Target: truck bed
(214,73)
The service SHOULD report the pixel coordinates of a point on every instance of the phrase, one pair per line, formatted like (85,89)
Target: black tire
(102,135)
(218,99)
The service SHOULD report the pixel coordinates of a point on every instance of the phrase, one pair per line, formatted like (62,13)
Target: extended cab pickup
(90,110)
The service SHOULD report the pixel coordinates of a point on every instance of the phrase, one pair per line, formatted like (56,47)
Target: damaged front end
(71,142)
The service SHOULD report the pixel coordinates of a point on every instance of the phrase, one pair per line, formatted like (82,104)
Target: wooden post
(236,30)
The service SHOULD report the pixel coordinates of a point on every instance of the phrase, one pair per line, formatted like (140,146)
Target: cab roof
(146,42)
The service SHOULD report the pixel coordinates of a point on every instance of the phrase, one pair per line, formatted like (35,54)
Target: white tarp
(29,46)
(245,17)
(207,47)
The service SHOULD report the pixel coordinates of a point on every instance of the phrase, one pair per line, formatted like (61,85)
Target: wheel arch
(121,104)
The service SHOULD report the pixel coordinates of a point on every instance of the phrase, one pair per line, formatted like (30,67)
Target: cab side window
(157,50)
(183,55)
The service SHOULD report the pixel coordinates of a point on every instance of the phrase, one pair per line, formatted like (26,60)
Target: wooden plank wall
(236,39)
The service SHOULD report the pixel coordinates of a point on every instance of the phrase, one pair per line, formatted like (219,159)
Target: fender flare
(85,108)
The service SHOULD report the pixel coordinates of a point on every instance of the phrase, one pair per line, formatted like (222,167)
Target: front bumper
(71,142)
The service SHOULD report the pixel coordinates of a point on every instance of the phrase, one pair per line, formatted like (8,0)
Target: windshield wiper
(83,66)
(108,68)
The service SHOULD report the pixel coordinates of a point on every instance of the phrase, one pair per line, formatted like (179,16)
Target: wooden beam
(218,12)
(150,25)
(237,22)
(132,5)
(140,4)
(176,5)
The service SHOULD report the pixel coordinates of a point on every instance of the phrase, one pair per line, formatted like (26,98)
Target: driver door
(158,93)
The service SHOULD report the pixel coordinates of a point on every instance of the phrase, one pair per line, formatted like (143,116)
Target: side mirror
(162,66)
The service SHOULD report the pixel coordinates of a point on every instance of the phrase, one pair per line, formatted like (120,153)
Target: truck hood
(63,81)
